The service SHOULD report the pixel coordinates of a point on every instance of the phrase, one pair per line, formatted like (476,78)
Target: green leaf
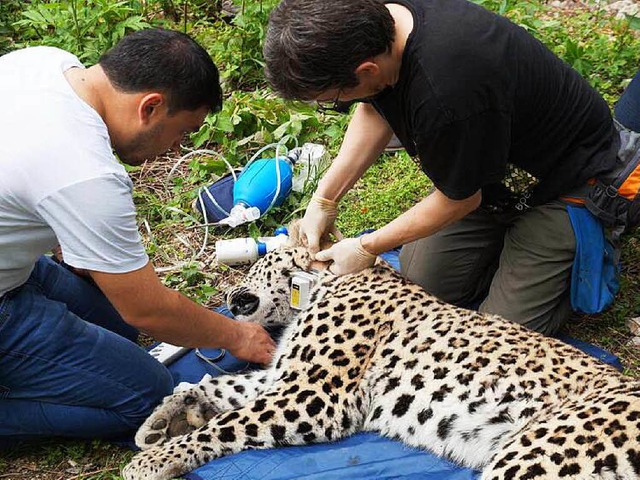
(634,22)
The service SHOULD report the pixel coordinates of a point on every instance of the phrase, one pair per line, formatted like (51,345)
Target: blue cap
(281,230)
(262,248)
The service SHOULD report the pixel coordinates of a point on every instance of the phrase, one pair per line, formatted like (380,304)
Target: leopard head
(264,294)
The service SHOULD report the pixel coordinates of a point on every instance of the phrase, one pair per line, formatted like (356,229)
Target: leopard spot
(315,406)
(227,435)
(402,405)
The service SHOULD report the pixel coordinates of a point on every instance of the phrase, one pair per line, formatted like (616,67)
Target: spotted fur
(375,352)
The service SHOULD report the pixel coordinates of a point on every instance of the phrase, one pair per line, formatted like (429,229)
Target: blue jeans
(627,110)
(69,364)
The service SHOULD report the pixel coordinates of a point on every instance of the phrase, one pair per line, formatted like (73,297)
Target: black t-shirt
(487,106)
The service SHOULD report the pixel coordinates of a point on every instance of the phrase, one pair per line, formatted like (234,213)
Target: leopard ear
(296,240)
(302,258)
(294,234)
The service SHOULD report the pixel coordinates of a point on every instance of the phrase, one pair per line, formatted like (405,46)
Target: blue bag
(217,199)
(594,278)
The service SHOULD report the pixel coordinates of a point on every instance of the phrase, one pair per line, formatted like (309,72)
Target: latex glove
(348,256)
(318,221)
(252,343)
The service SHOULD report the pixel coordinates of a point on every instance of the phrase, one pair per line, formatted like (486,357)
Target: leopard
(375,352)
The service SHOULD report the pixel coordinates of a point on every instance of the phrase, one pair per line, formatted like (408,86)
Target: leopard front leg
(273,419)
(189,409)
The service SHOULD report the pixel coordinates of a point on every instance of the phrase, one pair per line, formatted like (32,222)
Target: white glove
(348,256)
(318,221)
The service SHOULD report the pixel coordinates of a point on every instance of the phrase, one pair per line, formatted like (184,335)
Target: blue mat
(362,456)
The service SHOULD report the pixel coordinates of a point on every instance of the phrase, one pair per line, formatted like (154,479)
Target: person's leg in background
(532,283)
(528,285)
(627,109)
(457,264)
(63,376)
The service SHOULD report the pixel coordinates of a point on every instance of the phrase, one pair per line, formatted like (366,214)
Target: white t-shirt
(60,182)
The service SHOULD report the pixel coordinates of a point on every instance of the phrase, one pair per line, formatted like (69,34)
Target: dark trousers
(68,362)
(516,265)
(627,110)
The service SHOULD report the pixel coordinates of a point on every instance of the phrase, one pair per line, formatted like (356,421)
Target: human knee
(450,289)
(157,385)
(546,322)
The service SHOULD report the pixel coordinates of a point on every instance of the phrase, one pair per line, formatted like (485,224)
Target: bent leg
(531,285)
(457,263)
(60,375)
(627,109)
(81,297)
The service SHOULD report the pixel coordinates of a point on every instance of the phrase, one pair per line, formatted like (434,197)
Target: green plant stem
(244,34)
(74,14)
(184,27)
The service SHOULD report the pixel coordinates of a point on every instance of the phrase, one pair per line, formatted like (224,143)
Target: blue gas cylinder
(257,185)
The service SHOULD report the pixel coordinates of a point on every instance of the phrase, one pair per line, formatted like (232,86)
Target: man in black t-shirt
(501,126)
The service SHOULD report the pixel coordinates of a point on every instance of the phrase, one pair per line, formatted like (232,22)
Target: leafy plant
(193,282)
(86,28)
(9,13)
(237,47)
(250,120)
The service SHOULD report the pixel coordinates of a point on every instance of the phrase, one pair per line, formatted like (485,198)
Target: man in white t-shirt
(68,362)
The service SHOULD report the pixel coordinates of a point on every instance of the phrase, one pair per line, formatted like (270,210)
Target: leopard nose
(244,304)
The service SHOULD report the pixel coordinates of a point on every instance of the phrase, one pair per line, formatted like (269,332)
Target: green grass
(64,460)
(392,185)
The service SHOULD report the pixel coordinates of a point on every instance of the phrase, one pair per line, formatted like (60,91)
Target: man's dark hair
(316,45)
(165,61)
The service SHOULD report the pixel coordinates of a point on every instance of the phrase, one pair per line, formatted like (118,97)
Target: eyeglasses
(330,105)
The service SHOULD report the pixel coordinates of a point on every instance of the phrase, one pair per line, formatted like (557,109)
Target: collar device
(301,284)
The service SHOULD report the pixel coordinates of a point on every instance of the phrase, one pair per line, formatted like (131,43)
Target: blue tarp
(362,456)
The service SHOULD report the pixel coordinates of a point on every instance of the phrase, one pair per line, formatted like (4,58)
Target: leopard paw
(179,414)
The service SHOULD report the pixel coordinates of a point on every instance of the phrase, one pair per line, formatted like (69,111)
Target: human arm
(364,140)
(102,237)
(169,316)
(366,136)
(432,214)
(460,158)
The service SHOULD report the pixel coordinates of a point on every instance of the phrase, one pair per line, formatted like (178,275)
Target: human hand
(317,222)
(253,343)
(58,258)
(57,254)
(348,256)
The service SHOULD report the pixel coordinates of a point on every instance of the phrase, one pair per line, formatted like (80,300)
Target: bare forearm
(167,315)
(180,321)
(163,313)
(426,218)
(364,140)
